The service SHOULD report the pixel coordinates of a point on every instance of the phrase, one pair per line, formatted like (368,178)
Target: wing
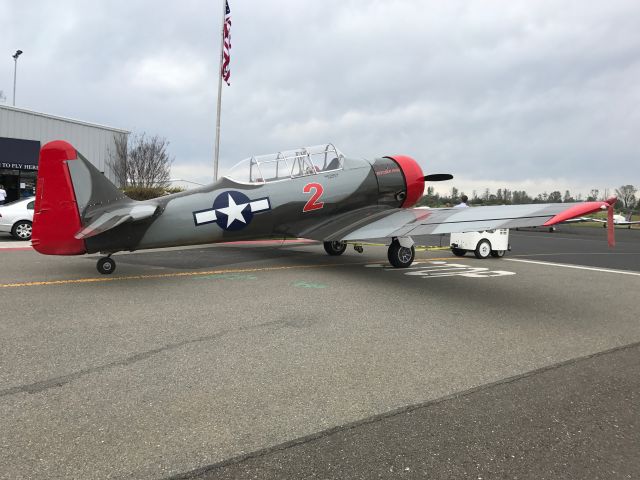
(101,222)
(416,222)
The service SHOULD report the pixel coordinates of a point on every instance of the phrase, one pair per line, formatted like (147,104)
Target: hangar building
(23,132)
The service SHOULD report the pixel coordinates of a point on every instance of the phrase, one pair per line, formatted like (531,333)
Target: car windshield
(287,164)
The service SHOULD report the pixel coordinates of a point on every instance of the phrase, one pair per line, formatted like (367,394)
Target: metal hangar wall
(23,132)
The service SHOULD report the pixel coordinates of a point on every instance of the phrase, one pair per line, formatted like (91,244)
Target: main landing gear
(106,265)
(401,253)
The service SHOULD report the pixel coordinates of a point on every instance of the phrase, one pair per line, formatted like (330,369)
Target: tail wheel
(399,256)
(483,249)
(497,253)
(22,230)
(106,265)
(335,248)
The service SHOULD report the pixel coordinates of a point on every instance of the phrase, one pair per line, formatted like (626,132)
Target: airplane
(617,220)
(314,193)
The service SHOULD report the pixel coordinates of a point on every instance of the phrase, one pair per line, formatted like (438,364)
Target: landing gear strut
(399,256)
(106,265)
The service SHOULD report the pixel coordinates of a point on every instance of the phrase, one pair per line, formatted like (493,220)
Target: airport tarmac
(277,361)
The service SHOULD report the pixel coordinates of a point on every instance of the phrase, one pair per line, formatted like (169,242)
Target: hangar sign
(17,154)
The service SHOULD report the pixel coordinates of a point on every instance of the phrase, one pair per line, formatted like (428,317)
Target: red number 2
(313,203)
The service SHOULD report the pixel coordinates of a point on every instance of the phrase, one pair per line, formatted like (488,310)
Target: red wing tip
(612,200)
(577,210)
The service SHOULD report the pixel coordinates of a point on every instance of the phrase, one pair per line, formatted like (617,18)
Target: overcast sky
(534,95)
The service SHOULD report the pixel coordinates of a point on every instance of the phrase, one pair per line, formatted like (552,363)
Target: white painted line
(577,267)
(15,244)
(572,253)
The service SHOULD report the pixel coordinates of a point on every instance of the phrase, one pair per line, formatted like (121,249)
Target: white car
(16,218)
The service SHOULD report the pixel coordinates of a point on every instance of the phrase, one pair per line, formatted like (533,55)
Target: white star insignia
(233,211)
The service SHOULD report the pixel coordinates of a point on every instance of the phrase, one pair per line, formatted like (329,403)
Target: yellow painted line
(165,275)
(105,279)
(418,248)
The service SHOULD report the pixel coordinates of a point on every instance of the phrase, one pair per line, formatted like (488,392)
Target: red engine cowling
(400,180)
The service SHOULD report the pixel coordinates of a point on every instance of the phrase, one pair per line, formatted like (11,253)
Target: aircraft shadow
(208,257)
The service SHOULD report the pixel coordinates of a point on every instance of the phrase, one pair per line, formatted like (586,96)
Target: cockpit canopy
(287,164)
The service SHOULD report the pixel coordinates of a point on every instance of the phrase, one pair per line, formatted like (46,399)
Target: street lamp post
(15,70)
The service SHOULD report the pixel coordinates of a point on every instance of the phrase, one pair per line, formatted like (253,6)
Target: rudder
(56,217)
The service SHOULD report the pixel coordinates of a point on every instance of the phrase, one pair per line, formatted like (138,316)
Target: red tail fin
(56,218)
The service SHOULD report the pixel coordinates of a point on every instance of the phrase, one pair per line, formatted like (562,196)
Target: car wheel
(497,253)
(399,256)
(22,230)
(458,252)
(335,248)
(483,249)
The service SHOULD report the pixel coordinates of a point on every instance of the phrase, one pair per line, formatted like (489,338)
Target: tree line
(626,194)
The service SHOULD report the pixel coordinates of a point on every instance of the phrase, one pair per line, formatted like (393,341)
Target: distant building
(23,132)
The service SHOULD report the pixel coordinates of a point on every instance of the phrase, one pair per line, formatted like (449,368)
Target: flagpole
(217,151)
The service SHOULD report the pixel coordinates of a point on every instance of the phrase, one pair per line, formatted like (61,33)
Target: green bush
(172,190)
(147,193)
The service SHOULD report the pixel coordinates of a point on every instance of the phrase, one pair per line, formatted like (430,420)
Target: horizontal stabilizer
(111,219)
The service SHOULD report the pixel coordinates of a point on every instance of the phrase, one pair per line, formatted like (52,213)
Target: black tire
(483,249)
(498,253)
(399,256)
(22,230)
(458,252)
(335,248)
(106,266)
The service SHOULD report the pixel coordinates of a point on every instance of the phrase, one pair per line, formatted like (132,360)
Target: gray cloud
(513,92)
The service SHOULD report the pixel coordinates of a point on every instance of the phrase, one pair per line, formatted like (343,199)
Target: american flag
(226,45)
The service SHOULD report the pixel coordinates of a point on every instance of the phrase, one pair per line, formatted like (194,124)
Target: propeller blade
(438,177)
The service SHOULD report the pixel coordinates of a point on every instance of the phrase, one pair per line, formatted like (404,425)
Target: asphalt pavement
(277,361)
(574,420)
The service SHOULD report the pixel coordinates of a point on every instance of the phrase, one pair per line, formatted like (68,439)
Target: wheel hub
(404,254)
(23,231)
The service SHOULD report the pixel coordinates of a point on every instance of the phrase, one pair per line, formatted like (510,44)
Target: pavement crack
(62,380)
(208,469)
